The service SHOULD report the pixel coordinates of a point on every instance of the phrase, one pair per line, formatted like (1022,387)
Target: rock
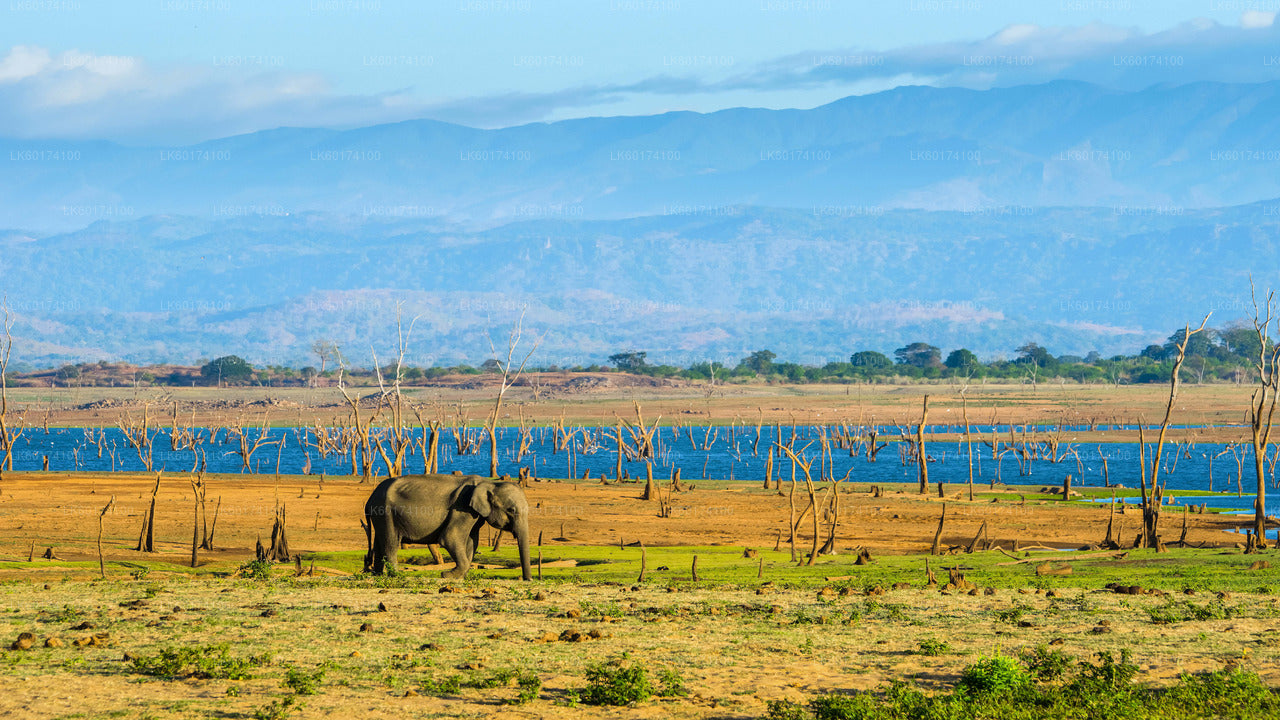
(1057,641)
(495,636)
(573,614)
(53,642)
(269,612)
(411,693)
(365,627)
(382,607)
(901,586)
(86,625)
(597,634)
(429,646)
(572,636)
(540,595)
(1260,565)
(356,654)
(1101,630)
(989,591)
(24,642)
(547,637)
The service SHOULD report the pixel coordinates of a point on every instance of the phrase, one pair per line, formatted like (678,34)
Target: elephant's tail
(368,537)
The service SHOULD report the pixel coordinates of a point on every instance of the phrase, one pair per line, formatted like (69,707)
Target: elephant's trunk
(521,533)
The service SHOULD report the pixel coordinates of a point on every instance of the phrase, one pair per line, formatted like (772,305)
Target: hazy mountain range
(1079,217)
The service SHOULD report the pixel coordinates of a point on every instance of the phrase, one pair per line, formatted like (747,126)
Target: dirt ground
(380,646)
(60,510)
(603,398)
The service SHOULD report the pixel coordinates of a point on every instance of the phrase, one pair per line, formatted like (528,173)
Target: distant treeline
(1214,355)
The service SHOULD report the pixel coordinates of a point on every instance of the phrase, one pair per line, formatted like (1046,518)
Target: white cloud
(74,94)
(1254,19)
(23,61)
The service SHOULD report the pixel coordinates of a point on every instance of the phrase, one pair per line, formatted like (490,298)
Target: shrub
(255,570)
(529,685)
(786,710)
(933,648)
(614,684)
(995,675)
(672,685)
(210,661)
(445,686)
(302,682)
(1045,664)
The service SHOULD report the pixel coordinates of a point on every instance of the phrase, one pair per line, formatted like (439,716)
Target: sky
(182,71)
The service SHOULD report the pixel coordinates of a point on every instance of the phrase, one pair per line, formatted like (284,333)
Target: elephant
(443,510)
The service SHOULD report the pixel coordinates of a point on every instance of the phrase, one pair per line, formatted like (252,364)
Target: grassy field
(154,640)
(755,635)
(236,639)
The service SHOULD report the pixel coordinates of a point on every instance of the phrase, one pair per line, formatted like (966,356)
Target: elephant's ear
(481,495)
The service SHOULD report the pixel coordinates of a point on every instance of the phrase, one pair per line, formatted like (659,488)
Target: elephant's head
(503,505)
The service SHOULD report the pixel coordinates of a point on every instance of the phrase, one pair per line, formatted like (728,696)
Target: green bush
(209,661)
(672,685)
(995,675)
(255,570)
(1045,664)
(529,685)
(933,648)
(302,682)
(786,710)
(445,686)
(615,684)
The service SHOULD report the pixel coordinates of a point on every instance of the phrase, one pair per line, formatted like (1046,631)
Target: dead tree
(245,447)
(1262,405)
(937,536)
(398,435)
(1154,496)
(8,434)
(921,456)
(361,445)
(102,566)
(279,550)
(509,378)
(813,499)
(968,439)
(146,536)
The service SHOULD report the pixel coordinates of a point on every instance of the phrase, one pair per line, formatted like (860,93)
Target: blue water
(722,454)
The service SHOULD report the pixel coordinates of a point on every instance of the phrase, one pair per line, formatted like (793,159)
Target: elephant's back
(410,488)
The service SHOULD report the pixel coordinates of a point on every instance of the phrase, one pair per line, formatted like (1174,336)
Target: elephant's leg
(388,550)
(456,542)
(435,554)
(373,563)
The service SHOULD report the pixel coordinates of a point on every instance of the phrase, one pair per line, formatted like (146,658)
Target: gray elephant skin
(443,510)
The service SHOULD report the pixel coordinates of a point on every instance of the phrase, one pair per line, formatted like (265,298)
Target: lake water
(716,453)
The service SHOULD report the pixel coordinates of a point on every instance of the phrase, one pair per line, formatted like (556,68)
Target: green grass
(1217,570)
(1000,687)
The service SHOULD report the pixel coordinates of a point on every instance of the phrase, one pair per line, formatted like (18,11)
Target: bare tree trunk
(922,456)
(102,566)
(937,536)
(1262,407)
